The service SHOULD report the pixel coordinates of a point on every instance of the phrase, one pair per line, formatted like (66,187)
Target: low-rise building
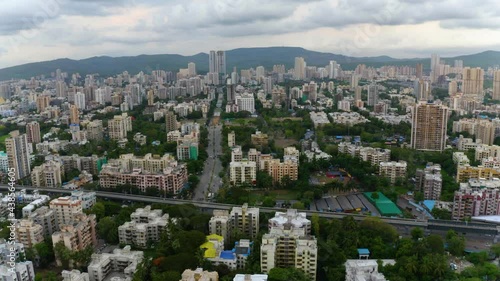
(74,275)
(361,270)
(199,275)
(88,199)
(49,174)
(259,138)
(466,172)
(348,118)
(319,118)
(477,197)
(248,277)
(47,218)
(460,158)
(7,249)
(121,263)
(243,172)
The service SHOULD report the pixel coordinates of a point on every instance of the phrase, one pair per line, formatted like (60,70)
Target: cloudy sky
(36,30)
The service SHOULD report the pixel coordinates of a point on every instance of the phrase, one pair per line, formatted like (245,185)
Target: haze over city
(45,30)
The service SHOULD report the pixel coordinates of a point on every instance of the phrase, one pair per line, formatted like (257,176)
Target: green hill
(241,58)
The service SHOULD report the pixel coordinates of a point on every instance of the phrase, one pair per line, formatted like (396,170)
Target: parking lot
(345,203)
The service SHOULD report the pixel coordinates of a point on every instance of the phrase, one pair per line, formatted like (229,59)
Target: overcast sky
(36,30)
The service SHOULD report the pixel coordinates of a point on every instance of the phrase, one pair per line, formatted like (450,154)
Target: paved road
(210,182)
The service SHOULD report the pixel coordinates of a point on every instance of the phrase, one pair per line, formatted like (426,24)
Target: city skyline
(47,30)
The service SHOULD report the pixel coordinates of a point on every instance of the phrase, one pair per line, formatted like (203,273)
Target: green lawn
(255,195)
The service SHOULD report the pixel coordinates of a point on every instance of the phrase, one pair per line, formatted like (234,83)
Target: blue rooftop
(429,204)
(363,251)
(227,255)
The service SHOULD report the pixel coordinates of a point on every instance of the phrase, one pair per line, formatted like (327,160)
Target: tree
(268,202)
(417,233)
(495,248)
(45,252)
(99,210)
(456,245)
(298,206)
(152,191)
(287,274)
(107,229)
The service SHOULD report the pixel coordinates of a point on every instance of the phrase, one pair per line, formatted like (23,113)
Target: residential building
(259,138)
(78,235)
(18,154)
(319,118)
(217,62)
(220,224)
(291,217)
(6,249)
(473,81)
(119,126)
(429,181)
(140,139)
(231,139)
(88,199)
(372,95)
(233,259)
(365,270)
(393,170)
(429,123)
(466,144)
(248,277)
(245,220)
(121,262)
(4,162)
(28,233)
(23,271)
(483,129)
(299,70)
(486,151)
(477,197)
(65,209)
(245,102)
(49,174)
(348,118)
(145,225)
(242,172)
(171,121)
(368,154)
(95,130)
(47,218)
(33,132)
(496,85)
(80,101)
(42,102)
(74,275)
(466,172)
(289,247)
(187,149)
(74,114)
(199,275)
(460,158)
(289,167)
(164,173)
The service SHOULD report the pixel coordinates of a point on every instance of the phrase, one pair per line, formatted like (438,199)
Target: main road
(403,225)
(210,181)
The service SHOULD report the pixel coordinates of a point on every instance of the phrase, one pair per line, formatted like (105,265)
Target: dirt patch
(282,142)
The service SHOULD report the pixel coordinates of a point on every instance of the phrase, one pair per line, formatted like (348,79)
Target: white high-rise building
(80,100)
(23,271)
(191,69)
(246,102)
(217,62)
(435,61)
(299,70)
(496,85)
(18,154)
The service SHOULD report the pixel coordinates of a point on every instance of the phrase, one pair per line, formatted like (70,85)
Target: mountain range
(241,58)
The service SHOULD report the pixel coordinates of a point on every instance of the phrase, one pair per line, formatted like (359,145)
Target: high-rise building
(246,102)
(422,90)
(354,81)
(95,130)
(61,89)
(245,221)
(332,69)
(496,85)
(429,122)
(242,172)
(28,233)
(435,61)
(217,62)
(80,101)
(42,102)
(299,70)
(289,246)
(171,121)
(191,69)
(372,95)
(65,209)
(420,71)
(452,88)
(393,170)
(22,271)
(220,224)
(119,126)
(49,174)
(429,181)
(260,71)
(18,154)
(74,114)
(357,93)
(473,81)
(145,225)
(33,132)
